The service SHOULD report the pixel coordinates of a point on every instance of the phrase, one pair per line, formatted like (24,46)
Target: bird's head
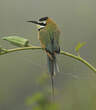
(41,23)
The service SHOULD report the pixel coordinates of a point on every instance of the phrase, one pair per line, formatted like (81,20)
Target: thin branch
(5,51)
(79,59)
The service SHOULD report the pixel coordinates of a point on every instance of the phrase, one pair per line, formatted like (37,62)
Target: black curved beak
(35,22)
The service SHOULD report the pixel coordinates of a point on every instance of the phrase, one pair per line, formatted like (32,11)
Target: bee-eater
(48,33)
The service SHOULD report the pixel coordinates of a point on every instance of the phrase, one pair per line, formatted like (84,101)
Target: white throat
(40,27)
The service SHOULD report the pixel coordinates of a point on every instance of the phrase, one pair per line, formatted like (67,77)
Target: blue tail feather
(52,65)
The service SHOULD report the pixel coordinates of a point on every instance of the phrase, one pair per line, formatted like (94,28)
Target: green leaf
(34,99)
(43,79)
(79,45)
(17,41)
(41,101)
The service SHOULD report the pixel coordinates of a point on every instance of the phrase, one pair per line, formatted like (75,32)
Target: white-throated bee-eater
(49,33)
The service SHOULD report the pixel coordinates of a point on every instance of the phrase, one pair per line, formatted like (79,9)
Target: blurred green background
(19,71)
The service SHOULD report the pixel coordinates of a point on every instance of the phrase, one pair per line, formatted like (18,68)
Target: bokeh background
(19,71)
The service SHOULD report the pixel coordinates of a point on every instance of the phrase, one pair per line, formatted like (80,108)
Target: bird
(49,35)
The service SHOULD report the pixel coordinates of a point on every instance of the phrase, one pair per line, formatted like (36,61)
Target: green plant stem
(79,59)
(61,52)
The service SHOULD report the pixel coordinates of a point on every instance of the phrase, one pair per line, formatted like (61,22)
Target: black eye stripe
(42,24)
(43,19)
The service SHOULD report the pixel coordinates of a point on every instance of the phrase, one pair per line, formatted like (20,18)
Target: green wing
(56,41)
(50,40)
